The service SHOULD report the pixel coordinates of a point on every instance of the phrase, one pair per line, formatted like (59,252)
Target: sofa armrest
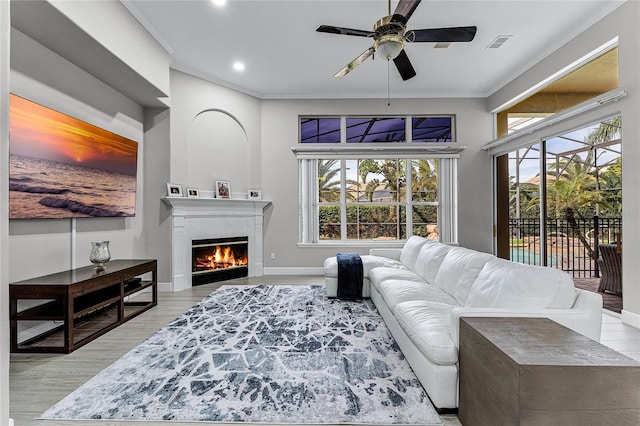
(391,253)
(585,317)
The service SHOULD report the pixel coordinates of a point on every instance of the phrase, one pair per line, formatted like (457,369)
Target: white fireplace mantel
(208,218)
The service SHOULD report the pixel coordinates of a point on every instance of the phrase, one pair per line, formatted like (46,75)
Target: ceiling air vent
(499,41)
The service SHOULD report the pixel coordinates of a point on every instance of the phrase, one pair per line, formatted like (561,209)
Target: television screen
(62,167)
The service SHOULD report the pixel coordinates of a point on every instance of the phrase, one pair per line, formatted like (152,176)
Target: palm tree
(611,178)
(572,190)
(328,187)
(611,185)
(424,185)
(520,194)
(606,131)
(393,177)
(424,180)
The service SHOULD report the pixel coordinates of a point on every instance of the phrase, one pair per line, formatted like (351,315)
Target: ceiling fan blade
(404,66)
(406,8)
(344,31)
(454,34)
(357,61)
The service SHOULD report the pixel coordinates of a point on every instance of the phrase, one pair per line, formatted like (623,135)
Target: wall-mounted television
(62,167)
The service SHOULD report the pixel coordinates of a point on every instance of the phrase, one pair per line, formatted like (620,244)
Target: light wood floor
(38,381)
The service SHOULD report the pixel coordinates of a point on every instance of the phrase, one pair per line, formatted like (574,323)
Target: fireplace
(206,218)
(219,259)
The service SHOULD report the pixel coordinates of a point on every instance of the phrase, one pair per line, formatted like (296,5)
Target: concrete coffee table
(534,371)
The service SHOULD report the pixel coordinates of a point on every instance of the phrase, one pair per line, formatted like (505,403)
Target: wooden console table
(534,371)
(81,304)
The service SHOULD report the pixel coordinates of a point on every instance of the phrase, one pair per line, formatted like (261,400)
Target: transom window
(377,129)
(376,184)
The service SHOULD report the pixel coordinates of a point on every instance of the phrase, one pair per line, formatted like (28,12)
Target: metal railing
(570,247)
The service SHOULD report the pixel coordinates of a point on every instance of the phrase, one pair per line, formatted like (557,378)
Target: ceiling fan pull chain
(388,83)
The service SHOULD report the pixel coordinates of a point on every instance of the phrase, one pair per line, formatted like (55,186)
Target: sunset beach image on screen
(62,167)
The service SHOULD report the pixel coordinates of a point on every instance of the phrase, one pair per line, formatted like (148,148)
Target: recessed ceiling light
(238,66)
(219,2)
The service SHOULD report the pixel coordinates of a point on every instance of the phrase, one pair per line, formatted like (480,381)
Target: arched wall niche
(218,149)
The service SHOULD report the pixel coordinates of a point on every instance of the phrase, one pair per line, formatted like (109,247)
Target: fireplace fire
(219,259)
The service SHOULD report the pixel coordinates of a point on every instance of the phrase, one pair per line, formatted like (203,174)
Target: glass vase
(99,254)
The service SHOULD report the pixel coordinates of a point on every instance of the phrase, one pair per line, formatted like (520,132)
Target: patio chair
(610,263)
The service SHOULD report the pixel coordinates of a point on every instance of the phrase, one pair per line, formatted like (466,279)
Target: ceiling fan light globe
(389,47)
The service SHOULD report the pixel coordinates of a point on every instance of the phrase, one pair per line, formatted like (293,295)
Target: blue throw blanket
(349,276)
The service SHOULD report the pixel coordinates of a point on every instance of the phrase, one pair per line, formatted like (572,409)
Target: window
(320,130)
(366,190)
(378,129)
(431,129)
(377,199)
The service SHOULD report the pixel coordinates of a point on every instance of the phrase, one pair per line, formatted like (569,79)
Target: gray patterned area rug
(260,354)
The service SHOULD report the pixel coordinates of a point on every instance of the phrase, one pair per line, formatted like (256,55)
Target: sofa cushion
(394,292)
(383,273)
(410,251)
(459,270)
(506,284)
(427,325)
(369,262)
(429,260)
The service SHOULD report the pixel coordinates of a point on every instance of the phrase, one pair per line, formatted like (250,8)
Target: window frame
(408,133)
(308,155)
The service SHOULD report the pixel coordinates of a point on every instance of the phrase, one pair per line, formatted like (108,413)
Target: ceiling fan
(390,35)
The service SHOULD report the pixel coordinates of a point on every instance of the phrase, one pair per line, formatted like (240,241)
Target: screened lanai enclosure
(565,200)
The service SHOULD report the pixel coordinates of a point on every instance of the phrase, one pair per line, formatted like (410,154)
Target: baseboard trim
(165,287)
(630,318)
(293,270)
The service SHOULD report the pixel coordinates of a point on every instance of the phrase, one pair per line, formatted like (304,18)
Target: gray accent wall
(280,170)
(271,128)
(156,173)
(63,86)
(5,47)
(103,80)
(92,83)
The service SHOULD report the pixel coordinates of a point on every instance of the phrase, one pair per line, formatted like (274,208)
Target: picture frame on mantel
(193,193)
(255,194)
(174,190)
(223,189)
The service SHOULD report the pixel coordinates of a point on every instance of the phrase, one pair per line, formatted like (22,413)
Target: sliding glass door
(524,211)
(565,198)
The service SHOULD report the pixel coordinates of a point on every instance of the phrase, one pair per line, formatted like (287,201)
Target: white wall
(624,23)
(280,172)
(215,135)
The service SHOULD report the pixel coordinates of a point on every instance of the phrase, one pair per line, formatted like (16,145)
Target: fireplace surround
(211,218)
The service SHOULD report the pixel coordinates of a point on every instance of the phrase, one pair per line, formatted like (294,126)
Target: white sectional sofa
(422,289)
